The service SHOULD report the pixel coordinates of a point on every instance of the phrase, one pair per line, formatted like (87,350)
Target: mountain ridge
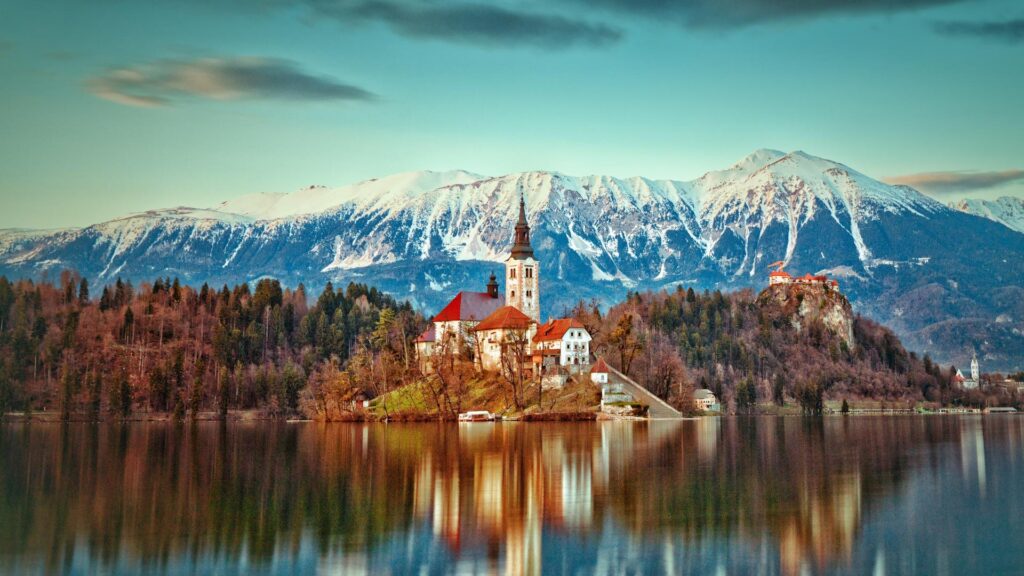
(422,234)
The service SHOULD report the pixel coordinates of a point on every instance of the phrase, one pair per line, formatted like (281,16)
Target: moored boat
(476,416)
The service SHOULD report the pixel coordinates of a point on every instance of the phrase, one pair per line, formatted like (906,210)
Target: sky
(116,106)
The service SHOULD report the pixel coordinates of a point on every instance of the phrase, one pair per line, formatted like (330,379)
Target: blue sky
(117,106)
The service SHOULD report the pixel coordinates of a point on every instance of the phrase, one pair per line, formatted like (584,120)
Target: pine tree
(779,389)
(83,291)
(223,392)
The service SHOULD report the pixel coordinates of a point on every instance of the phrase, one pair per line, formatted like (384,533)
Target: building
(505,331)
(454,322)
(424,344)
(780,276)
(522,272)
(561,342)
(599,373)
(975,379)
(485,323)
(705,400)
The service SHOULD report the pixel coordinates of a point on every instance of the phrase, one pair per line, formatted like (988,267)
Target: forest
(166,348)
(746,353)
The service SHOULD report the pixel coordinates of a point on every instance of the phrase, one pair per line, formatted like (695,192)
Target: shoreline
(555,417)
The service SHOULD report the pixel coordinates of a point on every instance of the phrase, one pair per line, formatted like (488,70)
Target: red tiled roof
(469,306)
(504,317)
(599,367)
(780,274)
(429,335)
(555,329)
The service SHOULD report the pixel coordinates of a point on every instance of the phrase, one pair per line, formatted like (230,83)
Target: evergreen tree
(779,389)
(83,291)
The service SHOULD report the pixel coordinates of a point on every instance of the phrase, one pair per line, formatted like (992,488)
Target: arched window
(511,272)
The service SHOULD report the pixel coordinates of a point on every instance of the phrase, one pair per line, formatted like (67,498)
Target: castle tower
(522,272)
(975,372)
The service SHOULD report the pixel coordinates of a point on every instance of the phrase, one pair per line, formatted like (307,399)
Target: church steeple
(521,248)
(522,271)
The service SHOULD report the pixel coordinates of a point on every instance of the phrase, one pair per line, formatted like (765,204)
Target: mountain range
(948,278)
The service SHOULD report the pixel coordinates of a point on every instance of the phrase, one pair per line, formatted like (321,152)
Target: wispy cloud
(732,13)
(949,183)
(471,23)
(163,82)
(1003,30)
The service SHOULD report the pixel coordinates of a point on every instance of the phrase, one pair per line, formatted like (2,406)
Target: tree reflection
(505,497)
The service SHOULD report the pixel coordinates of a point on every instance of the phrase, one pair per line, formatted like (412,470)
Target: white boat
(476,416)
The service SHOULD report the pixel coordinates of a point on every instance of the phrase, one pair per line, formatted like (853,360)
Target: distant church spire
(521,248)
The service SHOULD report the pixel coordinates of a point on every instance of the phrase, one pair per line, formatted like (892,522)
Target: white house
(599,373)
(425,348)
(705,399)
(561,342)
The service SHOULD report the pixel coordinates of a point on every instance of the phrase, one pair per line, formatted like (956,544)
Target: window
(511,272)
(529,272)
(529,293)
(513,294)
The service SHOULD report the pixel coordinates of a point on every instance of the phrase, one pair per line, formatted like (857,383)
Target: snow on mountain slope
(728,222)
(1007,210)
(767,198)
(378,192)
(419,234)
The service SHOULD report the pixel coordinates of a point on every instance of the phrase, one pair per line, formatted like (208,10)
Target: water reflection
(769,496)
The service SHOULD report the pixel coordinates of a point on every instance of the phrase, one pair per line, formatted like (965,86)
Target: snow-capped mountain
(1007,210)
(904,258)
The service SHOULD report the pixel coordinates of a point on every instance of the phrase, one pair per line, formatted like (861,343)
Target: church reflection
(784,496)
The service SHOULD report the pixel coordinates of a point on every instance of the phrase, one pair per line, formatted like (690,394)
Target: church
(975,379)
(490,326)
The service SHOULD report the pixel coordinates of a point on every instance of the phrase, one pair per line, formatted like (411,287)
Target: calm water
(858,495)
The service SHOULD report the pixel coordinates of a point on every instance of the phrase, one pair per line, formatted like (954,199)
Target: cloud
(945,183)
(162,82)
(471,23)
(734,13)
(1005,30)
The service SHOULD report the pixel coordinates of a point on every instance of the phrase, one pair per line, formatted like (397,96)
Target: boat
(476,416)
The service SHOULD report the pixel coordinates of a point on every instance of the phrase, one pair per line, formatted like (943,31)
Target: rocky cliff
(805,304)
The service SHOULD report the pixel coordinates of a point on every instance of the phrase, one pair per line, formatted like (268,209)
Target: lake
(854,495)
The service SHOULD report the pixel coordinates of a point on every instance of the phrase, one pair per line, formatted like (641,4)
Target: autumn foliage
(169,348)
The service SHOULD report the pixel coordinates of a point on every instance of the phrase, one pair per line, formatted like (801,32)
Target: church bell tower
(522,271)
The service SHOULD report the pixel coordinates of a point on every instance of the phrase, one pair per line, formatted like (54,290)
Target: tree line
(675,341)
(168,347)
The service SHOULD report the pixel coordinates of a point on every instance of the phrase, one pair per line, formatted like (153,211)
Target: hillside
(790,343)
(422,235)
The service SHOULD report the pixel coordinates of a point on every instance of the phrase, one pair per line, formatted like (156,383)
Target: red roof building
(600,367)
(556,329)
(504,318)
(429,335)
(472,306)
